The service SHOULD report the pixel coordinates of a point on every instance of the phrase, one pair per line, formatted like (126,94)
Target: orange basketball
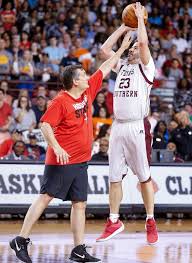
(129,18)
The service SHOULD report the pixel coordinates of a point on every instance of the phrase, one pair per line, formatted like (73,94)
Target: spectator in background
(45,70)
(82,54)
(25,70)
(8,16)
(155,17)
(70,59)
(188,75)
(182,136)
(103,118)
(188,109)
(108,96)
(40,108)
(172,126)
(24,116)
(180,42)
(35,152)
(175,71)
(5,117)
(104,131)
(55,53)
(52,94)
(17,152)
(5,87)
(25,44)
(6,60)
(98,103)
(6,145)
(183,93)
(102,155)
(160,136)
(7,37)
(22,92)
(65,42)
(188,61)
(35,53)
(15,50)
(40,90)
(172,147)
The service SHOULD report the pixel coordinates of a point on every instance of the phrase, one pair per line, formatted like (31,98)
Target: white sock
(114,217)
(150,216)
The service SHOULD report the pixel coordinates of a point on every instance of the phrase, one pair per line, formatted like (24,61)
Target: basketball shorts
(66,182)
(130,146)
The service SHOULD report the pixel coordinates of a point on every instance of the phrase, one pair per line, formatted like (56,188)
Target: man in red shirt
(6,146)
(67,128)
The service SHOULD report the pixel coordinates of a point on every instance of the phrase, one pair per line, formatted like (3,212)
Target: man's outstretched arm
(142,34)
(107,47)
(109,64)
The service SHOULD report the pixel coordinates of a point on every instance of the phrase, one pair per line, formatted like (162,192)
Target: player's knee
(147,181)
(46,198)
(79,205)
(115,184)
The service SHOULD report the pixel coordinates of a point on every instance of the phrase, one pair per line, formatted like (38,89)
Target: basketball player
(67,128)
(130,140)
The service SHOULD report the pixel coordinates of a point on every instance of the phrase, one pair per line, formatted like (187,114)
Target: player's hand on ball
(61,155)
(126,41)
(139,10)
(126,28)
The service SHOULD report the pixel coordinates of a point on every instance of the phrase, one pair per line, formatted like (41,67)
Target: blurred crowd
(39,38)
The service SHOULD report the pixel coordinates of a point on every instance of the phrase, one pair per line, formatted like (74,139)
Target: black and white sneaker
(79,254)
(19,245)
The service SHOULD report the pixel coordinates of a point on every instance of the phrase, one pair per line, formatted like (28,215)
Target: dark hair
(106,110)
(2,91)
(103,131)
(17,143)
(156,129)
(68,75)
(28,104)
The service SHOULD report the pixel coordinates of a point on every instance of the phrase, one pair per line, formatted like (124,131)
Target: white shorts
(130,146)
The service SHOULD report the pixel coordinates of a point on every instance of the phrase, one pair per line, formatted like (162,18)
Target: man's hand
(61,155)
(126,28)
(139,10)
(126,41)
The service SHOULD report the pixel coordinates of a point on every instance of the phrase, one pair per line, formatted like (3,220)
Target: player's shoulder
(59,98)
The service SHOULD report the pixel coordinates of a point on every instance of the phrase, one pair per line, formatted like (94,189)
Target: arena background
(37,40)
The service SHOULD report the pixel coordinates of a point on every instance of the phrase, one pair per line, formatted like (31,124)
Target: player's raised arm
(107,47)
(142,34)
(109,64)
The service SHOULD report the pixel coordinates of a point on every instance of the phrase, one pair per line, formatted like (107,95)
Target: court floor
(52,242)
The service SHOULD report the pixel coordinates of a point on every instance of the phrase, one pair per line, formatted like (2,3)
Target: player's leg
(115,197)
(19,244)
(117,168)
(78,222)
(78,194)
(147,192)
(139,145)
(49,188)
(33,214)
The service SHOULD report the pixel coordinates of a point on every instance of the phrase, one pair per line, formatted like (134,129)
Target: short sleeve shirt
(71,120)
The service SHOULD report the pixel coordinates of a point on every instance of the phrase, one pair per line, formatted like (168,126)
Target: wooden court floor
(52,242)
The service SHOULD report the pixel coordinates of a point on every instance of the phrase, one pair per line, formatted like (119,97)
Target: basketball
(129,18)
